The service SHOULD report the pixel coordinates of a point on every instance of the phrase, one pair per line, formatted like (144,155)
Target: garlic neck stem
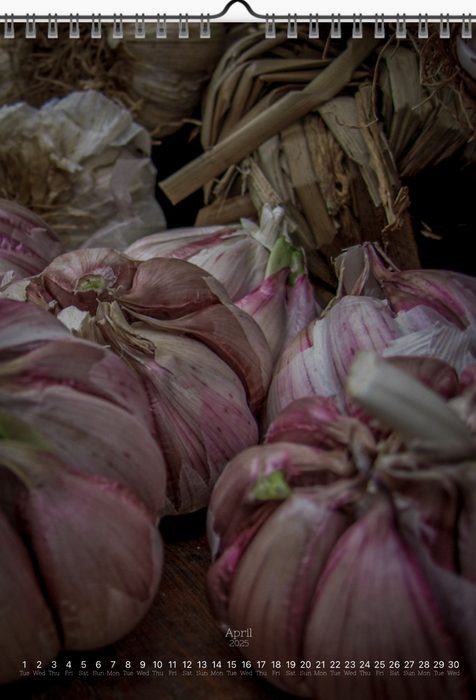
(404,403)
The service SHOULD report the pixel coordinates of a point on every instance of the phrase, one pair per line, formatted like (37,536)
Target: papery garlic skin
(28,629)
(24,327)
(97,550)
(280,309)
(27,243)
(85,401)
(318,360)
(236,256)
(356,564)
(204,363)
(93,176)
(198,406)
(365,270)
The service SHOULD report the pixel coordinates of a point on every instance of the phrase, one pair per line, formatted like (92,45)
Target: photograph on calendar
(237,358)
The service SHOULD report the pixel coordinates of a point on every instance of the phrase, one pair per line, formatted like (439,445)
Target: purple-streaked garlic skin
(82,278)
(208,411)
(374,603)
(385,544)
(267,305)
(204,363)
(451,294)
(27,243)
(83,399)
(232,256)
(97,551)
(281,310)
(28,627)
(317,362)
(316,421)
(24,327)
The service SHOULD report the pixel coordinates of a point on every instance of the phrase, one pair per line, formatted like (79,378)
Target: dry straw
(328,131)
(159,81)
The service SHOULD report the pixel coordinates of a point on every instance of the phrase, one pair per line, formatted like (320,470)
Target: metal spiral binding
(270,28)
(205,31)
(445,28)
(96,27)
(183,27)
(30,29)
(161,27)
(117,30)
(423,27)
(357,28)
(292,27)
(379,32)
(74,28)
(314,27)
(269,21)
(466,32)
(52,27)
(401,31)
(140,28)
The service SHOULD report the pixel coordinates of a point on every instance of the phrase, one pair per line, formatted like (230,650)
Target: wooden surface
(178,628)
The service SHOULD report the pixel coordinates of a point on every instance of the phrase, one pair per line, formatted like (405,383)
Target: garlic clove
(301,308)
(433,498)
(98,552)
(230,254)
(466,530)
(452,294)
(238,262)
(82,277)
(27,624)
(27,243)
(80,365)
(235,500)
(25,326)
(199,408)
(434,373)
(235,338)
(454,594)
(319,358)
(292,547)
(267,306)
(373,603)
(180,243)
(79,426)
(165,288)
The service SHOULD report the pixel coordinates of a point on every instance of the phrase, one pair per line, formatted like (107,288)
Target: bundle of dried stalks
(327,162)
(159,80)
(428,103)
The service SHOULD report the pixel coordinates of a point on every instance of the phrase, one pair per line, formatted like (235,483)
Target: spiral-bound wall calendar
(237,350)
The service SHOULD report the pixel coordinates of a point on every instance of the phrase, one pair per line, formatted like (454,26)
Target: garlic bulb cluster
(92,171)
(27,243)
(342,543)
(81,552)
(205,364)
(413,312)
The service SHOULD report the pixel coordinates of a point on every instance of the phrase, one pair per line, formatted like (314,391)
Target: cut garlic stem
(403,403)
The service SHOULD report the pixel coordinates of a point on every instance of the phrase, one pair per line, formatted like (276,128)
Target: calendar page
(237,350)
